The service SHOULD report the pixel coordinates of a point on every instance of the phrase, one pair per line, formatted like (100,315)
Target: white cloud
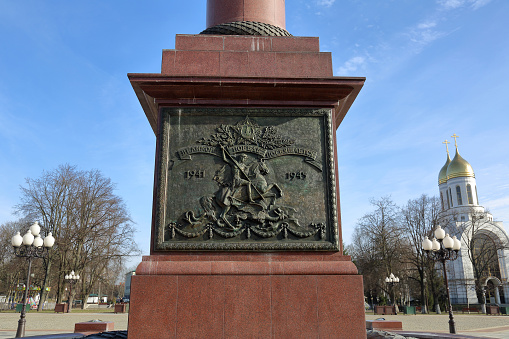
(478,3)
(498,203)
(427,31)
(453,4)
(427,25)
(425,37)
(326,3)
(351,65)
(423,34)
(499,209)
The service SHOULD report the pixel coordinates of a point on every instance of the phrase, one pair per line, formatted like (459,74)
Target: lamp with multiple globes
(29,246)
(392,280)
(71,278)
(443,248)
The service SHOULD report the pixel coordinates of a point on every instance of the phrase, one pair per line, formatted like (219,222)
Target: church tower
(461,215)
(458,189)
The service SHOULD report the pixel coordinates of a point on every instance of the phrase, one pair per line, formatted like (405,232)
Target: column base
(247,296)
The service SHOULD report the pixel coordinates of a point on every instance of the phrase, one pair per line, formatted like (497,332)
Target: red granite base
(89,327)
(253,298)
(384,325)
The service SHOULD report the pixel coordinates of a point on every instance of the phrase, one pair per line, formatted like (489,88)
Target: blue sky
(433,68)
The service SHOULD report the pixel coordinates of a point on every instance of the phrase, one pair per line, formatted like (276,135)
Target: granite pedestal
(246,295)
(274,294)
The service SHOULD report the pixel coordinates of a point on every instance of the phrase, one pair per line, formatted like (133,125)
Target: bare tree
(91,224)
(47,200)
(419,218)
(377,247)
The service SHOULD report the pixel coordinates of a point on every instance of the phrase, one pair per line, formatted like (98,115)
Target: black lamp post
(443,248)
(70,278)
(31,245)
(392,280)
(371,297)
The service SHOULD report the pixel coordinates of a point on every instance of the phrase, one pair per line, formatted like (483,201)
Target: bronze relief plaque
(246,180)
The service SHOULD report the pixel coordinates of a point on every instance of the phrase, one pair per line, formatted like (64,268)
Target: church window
(442,200)
(447,196)
(469,195)
(450,197)
(462,218)
(458,195)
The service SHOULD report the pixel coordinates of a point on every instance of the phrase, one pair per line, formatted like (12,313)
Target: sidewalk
(476,325)
(54,323)
(482,326)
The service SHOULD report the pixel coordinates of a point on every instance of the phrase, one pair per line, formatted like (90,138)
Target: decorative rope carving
(246,28)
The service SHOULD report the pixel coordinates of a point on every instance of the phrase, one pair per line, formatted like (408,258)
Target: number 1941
(195,174)
(295,175)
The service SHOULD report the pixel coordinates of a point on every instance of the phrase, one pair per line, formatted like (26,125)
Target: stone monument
(246,231)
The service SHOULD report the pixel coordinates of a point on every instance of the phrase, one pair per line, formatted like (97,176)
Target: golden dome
(459,167)
(442,176)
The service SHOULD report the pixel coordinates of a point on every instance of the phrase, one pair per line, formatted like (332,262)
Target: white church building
(463,216)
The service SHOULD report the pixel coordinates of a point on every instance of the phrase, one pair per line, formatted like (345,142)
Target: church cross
(455,139)
(446,145)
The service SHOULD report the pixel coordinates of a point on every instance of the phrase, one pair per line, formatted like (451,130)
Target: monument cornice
(156,90)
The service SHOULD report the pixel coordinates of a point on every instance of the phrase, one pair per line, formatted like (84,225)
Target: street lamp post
(371,297)
(70,279)
(31,245)
(443,248)
(392,280)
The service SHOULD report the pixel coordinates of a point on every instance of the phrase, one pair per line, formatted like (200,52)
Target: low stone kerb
(384,325)
(93,326)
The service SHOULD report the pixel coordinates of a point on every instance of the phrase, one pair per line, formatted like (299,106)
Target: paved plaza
(474,325)
(54,323)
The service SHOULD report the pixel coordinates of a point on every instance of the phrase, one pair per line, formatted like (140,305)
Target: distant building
(127,291)
(463,216)
(94,299)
